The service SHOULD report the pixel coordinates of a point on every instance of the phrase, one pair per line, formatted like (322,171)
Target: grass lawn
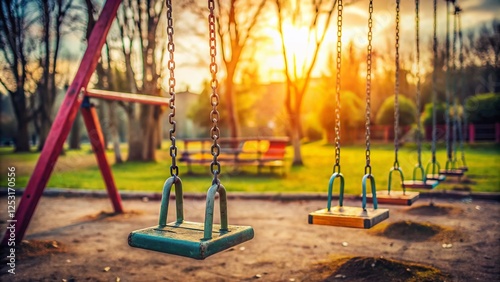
(78,169)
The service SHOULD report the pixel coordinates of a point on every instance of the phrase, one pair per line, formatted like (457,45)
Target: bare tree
(16,47)
(236,22)
(141,42)
(54,15)
(237,26)
(317,19)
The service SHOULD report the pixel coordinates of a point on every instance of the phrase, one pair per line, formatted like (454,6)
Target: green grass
(78,169)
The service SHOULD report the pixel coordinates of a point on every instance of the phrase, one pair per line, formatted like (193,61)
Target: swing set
(199,240)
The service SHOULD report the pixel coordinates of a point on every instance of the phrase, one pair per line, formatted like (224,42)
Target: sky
(189,48)
(475,13)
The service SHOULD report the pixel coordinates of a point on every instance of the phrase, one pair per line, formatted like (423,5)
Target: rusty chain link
(368,168)
(447,82)
(215,167)
(396,90)
(340,8)
(462,130)
(174,169)
(417,96)
(434,83)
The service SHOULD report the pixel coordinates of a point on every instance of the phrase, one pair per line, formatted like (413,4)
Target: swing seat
(190,239)
(452,172)
(439,177)
(395,197)
(355,217)
(464,168)
(419,184)
(187,239)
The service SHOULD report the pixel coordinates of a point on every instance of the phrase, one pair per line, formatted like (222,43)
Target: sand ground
(92,246)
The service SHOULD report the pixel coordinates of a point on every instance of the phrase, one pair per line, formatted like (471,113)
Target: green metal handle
(420,168)
(176,181)
(330,188)
(374,191)
(389,183)
(464,164)
(435,167)
(451,164)
(209,210)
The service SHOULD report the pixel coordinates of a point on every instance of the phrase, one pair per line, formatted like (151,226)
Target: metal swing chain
(396,91)
(434,84)
(368,168)
(340,7)
(454,93)
(447,91)
(174,169)
(214,97)
(417,97)
(463,130)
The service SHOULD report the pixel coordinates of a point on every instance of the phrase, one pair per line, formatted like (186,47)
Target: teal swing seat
(420,184)
(191,239)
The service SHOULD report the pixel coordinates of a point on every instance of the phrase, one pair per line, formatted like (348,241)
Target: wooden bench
(237,152)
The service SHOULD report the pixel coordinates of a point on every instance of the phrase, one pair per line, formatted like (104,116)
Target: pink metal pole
(62,123)
(497,132)
(97,140)
(472,133)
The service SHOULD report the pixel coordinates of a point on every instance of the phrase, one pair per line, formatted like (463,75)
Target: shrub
(407,109)
(483,108)
(312,128)
(426,117)
(351,113)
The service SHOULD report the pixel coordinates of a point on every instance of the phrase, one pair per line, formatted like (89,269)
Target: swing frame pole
(61,128)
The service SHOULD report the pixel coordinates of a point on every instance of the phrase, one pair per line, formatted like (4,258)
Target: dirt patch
(285,246)
(434,210)
(466,180)
(462,188)
(36,248)
(418,232)
(111,215)
(361,269)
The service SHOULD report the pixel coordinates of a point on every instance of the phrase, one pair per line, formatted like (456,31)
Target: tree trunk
(102,114)
(135,137)
(295,132)
(45,124)
(113,129)
(159,133)
(149,122)
(231,105)
(74,136)
(22,143)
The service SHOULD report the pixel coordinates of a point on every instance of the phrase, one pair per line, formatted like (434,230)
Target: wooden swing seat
(439,177)
(419,184)
(187,239)
(395,197)
(452,172)
(355,217)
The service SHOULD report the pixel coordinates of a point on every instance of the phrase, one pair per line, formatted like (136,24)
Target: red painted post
(472,133)
(91,120)
(62,123)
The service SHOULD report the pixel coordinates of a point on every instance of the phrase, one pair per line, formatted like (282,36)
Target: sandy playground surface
(78,239)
